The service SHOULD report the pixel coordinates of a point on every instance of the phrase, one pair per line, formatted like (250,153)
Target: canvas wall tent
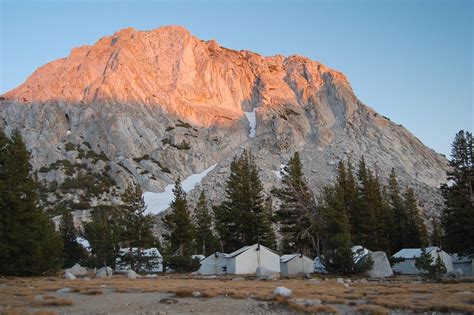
(154,260)
(214,264)
(464,263)
(407,267)
(248,258)
(295,264)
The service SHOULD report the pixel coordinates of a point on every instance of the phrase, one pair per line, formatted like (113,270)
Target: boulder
(77,270)
(69,276)
(381,267)
(104,272)
(282,291)
(131,275)
(263,273)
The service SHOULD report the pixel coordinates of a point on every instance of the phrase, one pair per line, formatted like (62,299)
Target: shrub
(70,146)
(433,269)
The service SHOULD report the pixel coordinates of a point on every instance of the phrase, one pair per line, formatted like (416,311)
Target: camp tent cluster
(247,259)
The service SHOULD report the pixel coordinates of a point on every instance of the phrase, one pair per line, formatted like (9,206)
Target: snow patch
(278,173)
(252,121)
(158,202)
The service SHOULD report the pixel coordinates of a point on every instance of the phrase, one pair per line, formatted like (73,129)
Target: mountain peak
(168,67)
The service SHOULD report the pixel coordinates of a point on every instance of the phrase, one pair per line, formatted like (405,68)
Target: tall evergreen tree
(136,227)
(415,233)
(436,237)
(241,219)
(364,219)
(298,213)
(103,233)
(28,243)
(338,201)
(399,213)
(73,252)
(180,235)
(205,240)
(458,214)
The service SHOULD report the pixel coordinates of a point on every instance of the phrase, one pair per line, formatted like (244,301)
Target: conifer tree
(73,252)
(458,214)
(180,235)
(436,238)
(364,219)
(103,233)
(337,242)
(399,213)
(241,219)
(205,240)
(415,233)
(28,243)
(136,227)
(298,214)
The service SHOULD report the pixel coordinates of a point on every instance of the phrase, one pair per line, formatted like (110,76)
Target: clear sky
(411,60)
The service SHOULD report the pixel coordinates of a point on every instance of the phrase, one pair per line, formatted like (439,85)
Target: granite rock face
(149,106)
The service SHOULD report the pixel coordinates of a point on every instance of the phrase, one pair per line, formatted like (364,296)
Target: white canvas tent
(248,258)
(465,263)
(295,264)
(154,261)
(407,266)
(214,264)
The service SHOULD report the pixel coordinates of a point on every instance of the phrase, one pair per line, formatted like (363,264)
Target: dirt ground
(227,295)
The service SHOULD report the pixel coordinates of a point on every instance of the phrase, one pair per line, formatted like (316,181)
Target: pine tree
(180,233)
(73,252)
(103,233)
(241,219)
(458,214)
(415,233)
(205,240)
(298,214)
(364,219)
(337,243)
(399,213)
(28,243)
(436,238)
(136,227)
(433,268)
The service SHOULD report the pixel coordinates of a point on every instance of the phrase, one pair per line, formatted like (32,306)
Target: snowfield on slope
(252,121)
(158,202)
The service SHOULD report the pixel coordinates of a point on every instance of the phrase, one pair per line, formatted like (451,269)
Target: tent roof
(286,258)
(409,253)
(244,249)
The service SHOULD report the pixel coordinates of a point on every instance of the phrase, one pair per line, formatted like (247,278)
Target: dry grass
(53,302)
(14,311)
(371,309)
(399,294)
(45,312)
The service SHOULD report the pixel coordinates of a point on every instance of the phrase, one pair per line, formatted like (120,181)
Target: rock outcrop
(150,106)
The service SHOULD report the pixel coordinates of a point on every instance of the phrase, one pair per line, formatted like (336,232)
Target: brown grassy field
(20,295)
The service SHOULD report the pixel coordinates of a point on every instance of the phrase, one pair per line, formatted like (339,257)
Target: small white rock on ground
(282,291)
(131,275)
(69,276)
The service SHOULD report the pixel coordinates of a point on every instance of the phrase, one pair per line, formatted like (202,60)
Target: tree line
(357,209)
